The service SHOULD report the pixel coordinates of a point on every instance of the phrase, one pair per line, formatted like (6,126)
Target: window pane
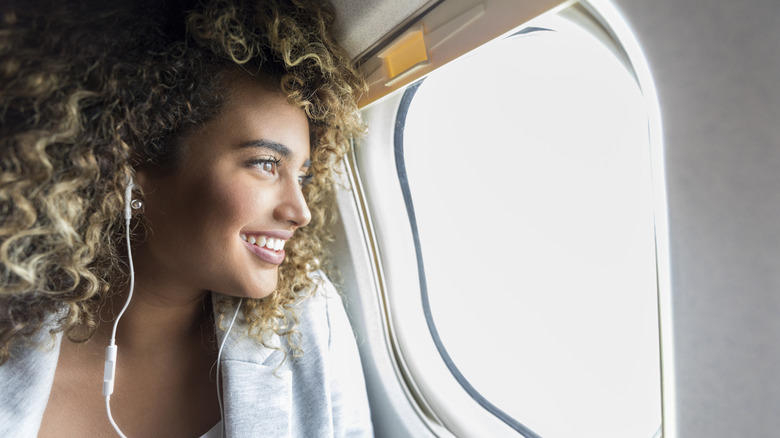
(529,168)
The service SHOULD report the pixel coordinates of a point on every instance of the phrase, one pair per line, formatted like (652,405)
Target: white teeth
(268,242)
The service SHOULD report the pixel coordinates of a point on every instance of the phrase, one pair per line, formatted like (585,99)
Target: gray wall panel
(716,66)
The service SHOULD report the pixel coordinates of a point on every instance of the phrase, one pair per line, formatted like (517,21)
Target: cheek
(224,204)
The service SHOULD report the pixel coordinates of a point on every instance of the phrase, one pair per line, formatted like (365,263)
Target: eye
(305,179)
(267,165)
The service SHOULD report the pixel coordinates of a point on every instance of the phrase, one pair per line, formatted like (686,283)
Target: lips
(267,248)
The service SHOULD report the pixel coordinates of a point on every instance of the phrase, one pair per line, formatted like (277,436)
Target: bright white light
(529,167)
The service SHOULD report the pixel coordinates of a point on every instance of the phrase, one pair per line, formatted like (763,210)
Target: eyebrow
(279,148)
(267,144)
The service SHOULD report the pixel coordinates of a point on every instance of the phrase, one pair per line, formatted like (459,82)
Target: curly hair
(90,92)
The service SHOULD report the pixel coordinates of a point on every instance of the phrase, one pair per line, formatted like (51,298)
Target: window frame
(466,419)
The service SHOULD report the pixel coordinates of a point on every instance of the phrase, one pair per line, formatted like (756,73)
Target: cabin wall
(716,65)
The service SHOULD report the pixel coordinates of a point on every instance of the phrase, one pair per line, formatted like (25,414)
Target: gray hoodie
(321,394)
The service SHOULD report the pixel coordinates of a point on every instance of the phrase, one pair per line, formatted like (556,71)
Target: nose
(292,207)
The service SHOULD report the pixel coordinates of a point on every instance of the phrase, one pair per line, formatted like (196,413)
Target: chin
(261,294)
(256,284)
(263,287)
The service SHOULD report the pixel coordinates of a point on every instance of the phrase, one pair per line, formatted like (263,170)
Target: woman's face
(218,220)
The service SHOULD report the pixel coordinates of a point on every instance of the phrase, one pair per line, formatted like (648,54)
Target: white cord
(128,214)
(111,419)
(109,371)
(219,356)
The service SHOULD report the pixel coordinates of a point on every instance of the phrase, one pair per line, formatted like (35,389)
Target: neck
(160,316)
(150,322)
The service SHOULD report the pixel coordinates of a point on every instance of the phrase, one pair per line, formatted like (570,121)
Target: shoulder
(332,363)
(321,314)
(27,378)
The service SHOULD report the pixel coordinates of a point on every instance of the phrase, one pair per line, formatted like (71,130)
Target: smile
(263,241)
(267,249)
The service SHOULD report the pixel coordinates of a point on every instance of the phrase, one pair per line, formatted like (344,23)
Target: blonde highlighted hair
(89,92)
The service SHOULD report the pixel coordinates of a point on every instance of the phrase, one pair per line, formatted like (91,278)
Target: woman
(165,190)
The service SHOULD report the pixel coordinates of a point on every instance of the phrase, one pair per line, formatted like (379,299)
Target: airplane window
(526,173)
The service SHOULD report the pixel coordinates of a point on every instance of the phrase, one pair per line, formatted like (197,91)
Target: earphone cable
(219,357)
(109,371)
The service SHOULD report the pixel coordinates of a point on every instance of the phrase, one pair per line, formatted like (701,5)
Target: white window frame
(437,398)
